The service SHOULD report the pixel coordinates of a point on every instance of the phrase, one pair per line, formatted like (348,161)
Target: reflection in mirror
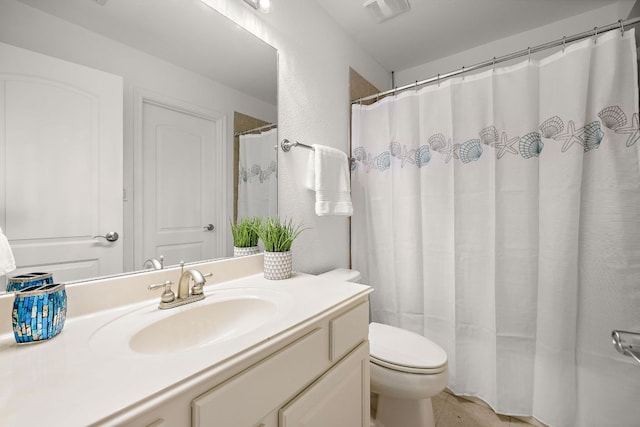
(255,175)
(126,110)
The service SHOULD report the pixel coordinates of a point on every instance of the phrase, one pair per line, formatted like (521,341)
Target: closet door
(61,151)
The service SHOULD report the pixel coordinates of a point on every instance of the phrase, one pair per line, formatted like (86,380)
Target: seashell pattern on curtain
(530,145)
(499,216)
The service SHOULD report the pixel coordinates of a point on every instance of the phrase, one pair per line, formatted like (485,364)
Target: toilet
(407,370)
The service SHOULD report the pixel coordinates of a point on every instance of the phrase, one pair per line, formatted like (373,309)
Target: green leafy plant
(245,232)
(276,235)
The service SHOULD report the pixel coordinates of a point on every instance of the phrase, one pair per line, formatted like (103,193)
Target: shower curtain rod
(620,25)
(255,129)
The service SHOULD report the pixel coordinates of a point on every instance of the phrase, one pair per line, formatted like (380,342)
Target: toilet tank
(342,275)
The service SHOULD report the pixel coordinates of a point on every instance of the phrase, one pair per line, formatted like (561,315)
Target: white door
(61,152)
(180,153)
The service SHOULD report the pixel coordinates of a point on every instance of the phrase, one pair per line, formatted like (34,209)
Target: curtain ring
(494,63)
(463,72)
(529,53)
(438,79)
(564,43)
(595,35)
(621,27)
(416,85)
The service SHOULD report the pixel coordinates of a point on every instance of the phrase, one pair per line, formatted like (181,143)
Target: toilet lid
(405,351)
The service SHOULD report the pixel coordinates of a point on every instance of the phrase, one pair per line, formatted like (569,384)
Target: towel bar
(286,145)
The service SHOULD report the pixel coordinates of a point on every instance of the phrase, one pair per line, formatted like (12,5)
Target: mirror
(177,56)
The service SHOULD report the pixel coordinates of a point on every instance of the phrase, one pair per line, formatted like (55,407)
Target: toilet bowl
(406,371)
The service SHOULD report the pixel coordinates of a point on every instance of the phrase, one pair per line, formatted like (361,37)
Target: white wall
(313,107)
(23,26)
(566,27)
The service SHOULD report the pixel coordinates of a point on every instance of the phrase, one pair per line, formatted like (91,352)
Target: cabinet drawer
(252,394)
(348,330)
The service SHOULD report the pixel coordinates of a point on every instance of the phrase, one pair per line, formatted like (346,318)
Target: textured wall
(313,92)
(313,107)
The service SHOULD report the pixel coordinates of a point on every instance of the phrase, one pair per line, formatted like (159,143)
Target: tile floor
(454,411)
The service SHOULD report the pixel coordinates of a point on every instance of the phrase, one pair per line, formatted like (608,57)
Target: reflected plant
(245,232)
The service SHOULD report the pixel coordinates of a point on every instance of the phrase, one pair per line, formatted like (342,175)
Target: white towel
(328,176)
(7,262)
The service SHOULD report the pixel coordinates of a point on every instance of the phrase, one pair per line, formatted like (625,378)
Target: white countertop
(69,380)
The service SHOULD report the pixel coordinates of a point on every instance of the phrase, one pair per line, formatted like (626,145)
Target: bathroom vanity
(252,353)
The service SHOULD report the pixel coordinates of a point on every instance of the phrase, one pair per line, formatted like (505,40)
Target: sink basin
(203,325)
(224,315)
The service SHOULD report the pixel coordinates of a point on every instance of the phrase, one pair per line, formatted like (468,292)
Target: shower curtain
(258,175)
(498,214)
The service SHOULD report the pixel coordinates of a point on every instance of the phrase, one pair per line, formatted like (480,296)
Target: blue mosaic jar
(23,281)
(39,313)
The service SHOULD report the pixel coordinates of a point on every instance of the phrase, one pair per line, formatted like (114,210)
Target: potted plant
(277,237)
(245,236)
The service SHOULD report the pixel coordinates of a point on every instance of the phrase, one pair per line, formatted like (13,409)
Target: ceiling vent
(100,2)
(383,10)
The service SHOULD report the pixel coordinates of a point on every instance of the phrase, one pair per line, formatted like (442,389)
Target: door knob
(209,227)
(111,236)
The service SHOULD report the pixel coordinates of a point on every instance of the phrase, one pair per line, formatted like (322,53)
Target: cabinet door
(340,398)
(261,389)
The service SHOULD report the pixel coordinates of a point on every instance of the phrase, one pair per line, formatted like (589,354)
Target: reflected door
(180,152)
(61,151)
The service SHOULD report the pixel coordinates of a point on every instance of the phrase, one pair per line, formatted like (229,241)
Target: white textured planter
(251,250)
(277,265)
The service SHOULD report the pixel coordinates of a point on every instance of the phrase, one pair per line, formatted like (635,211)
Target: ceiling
(434,29)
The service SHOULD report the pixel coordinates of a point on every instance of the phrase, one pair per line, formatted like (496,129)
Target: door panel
(52,129)
(62,153)
(179,175)
(179,190)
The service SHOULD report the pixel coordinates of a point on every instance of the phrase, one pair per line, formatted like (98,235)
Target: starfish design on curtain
(633,131)
(571,136)
(451,151)
(506,145)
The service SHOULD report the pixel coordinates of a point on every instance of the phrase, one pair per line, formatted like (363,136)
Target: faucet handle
(167,295)
(197,288)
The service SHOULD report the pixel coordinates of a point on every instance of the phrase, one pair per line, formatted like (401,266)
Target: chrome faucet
(168,299)
(154,263)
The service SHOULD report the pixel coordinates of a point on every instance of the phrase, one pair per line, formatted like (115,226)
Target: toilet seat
(407,369)
(404,351)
